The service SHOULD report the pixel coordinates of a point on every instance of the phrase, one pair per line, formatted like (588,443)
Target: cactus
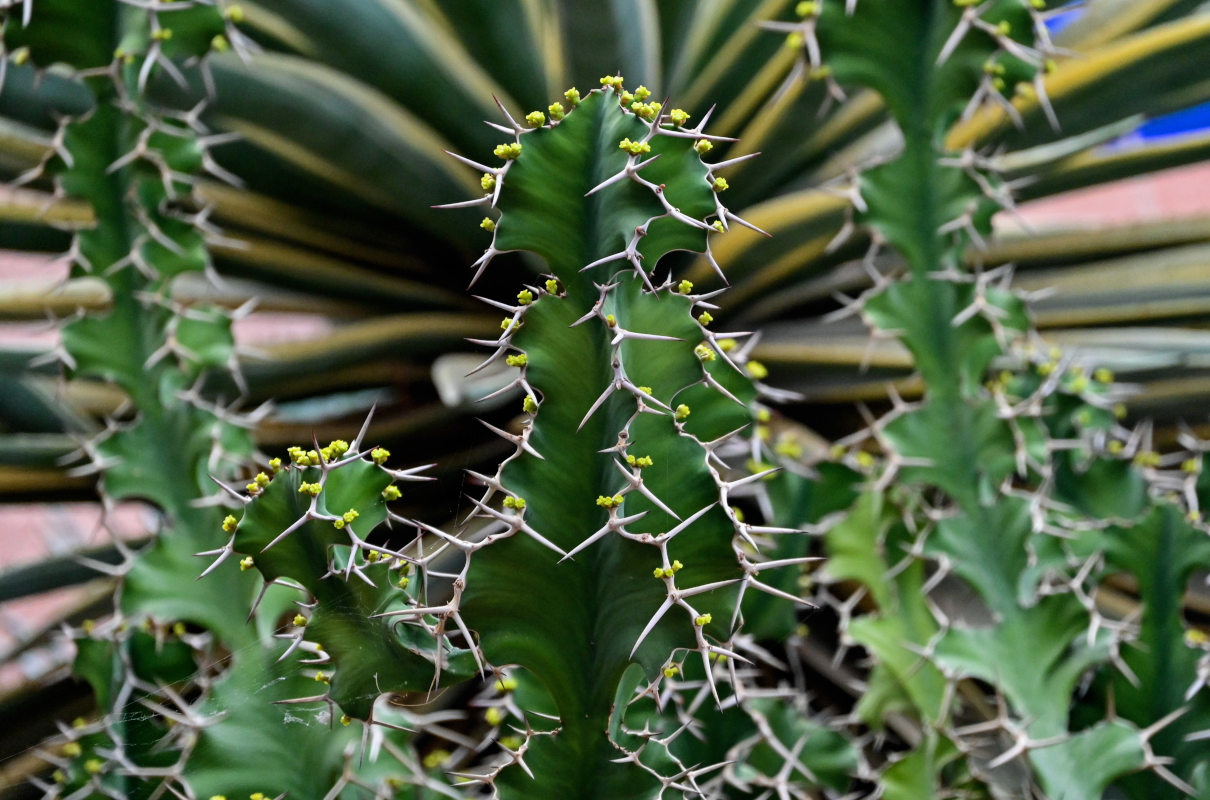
(622,614)
(982,483)
(176,647)
(573,594)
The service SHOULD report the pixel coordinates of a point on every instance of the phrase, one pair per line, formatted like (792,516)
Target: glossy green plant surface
(625,611)
(1001,496)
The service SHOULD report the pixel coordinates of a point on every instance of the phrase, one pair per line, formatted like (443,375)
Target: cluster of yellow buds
(640,461)
(668,572)
(345,518)
(508,150)
(517,361)
(609,502)
(303,458)
(788,446)
(1147,458)
(634,148)
(257,484)
(391,493)
(648,111)
(514,502)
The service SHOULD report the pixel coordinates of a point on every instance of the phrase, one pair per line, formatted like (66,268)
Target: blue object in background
(1187,120)
(1062,19)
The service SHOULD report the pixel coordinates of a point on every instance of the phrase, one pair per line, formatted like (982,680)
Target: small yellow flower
(436,759)
(634,148)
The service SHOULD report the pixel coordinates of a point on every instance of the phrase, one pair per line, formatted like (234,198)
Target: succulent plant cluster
(664,588)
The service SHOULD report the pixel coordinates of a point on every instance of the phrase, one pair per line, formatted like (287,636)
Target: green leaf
(1161,551)
(370,654)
